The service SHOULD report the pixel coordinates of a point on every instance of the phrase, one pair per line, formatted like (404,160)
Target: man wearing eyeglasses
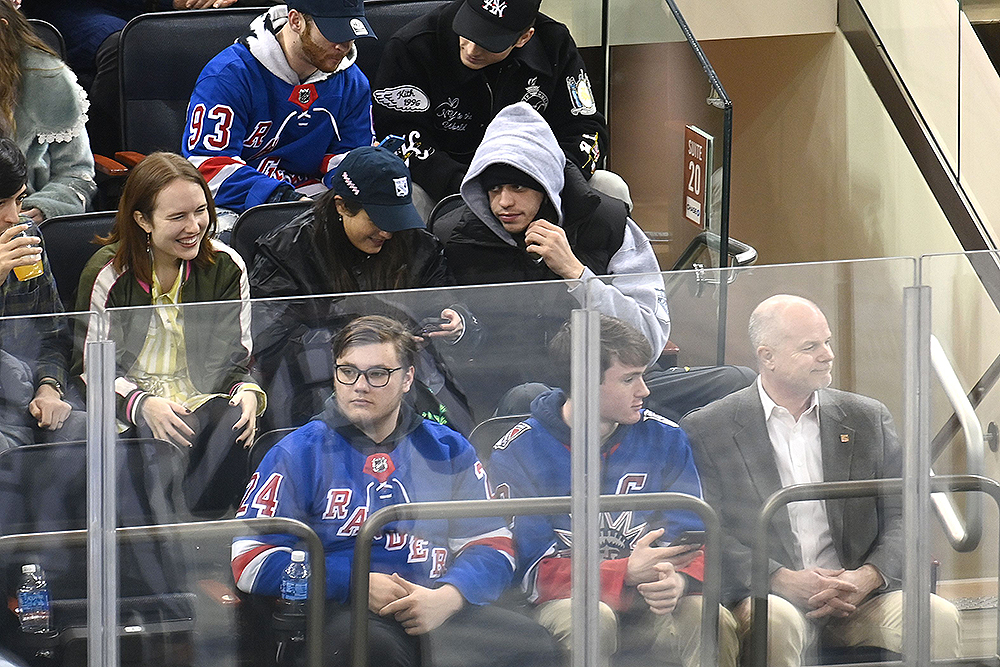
(431,582)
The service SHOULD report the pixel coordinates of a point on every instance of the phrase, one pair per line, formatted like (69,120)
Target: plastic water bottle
(295,585)
(33,600)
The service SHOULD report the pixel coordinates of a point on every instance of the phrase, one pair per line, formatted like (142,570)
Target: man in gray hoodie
(529,215)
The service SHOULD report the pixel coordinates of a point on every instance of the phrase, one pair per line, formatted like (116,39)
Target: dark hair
(374,330)
(619,340)
(388,269)
(15,37)
(13,168)
(144,184)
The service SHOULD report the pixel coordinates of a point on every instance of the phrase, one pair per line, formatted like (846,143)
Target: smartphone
(430,325)
(689,537)
(392,143)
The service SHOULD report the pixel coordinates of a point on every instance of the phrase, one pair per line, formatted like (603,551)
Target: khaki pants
(675,636)
(877,622)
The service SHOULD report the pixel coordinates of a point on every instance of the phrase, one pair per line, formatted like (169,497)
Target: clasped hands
(417,608)
(825,592)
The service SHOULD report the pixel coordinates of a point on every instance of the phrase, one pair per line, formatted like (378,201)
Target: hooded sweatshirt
(252,126)
(598,229)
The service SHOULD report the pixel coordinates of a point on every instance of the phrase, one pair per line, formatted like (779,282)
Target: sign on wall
(697,175)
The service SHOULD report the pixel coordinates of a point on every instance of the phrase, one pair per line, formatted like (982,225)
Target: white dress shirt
(799,457)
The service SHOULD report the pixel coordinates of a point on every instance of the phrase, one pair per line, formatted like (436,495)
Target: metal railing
(532,506)
(759,576)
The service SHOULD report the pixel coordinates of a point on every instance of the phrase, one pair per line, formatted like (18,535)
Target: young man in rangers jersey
(431,581)
(648,590)
(272,115)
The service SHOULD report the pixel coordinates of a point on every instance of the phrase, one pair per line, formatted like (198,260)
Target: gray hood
(520,137)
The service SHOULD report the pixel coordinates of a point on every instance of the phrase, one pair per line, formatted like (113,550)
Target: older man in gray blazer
(835,565)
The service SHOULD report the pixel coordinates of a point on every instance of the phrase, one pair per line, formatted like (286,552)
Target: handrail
(759,580)
(711,589)
(220,528)
(963,536)
(742,254)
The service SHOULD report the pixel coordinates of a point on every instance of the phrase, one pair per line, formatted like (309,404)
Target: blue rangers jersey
(533,459)
(252,125)
(331,476)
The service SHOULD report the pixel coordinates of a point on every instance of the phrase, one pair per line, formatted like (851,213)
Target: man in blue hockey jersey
(272,115)
(648,590)
(431,582)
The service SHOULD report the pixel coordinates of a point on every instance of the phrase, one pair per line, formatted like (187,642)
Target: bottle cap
(298,556)
(30,568)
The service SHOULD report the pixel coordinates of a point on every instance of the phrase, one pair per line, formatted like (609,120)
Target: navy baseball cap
(381,182)
(495,25)
(339,20)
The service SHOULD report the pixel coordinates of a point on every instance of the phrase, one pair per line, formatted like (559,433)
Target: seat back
(69,246)
(439,223)
(49,34)
(488,432)
(257,221)
(160,57)
(385,18)
(262,445)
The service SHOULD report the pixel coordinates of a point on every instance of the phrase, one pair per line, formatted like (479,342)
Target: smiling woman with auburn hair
(182,371)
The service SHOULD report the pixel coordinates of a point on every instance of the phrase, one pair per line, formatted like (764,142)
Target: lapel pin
(845,437)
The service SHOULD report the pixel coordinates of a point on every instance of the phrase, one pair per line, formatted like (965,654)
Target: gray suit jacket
(738,472)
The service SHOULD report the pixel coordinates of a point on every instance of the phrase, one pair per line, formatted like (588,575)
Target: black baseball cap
(380,181)
(338,20)
(495,25)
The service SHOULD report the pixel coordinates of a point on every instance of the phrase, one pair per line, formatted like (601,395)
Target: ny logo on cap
(495,7)
(402,187)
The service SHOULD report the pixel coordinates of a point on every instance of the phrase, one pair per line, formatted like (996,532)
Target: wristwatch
(54,383)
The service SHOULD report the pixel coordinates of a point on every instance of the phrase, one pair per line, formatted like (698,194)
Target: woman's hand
(247,400)
(165,419)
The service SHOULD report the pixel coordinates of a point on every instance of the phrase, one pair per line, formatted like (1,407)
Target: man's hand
(382,589)
(17,250)
(164,419)
(423,609)
(549,242)
(49,408)
(865,579)
(663,594)
(452,329)
(644,558)
(247,400)
(816,590)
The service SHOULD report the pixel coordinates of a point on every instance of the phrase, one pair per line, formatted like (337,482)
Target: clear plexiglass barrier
(369,431)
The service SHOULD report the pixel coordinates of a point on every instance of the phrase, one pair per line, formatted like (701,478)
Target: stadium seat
(257,221)
(262,445)
(488,432)
(49,34)
(439,223)
(69,246)
(160,57)
(385,18)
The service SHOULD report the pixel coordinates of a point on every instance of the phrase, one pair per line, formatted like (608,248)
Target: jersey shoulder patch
(648,415)
(509,436)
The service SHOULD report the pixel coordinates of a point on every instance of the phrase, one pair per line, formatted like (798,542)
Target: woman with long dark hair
(363,235)
(182,369)
(44,110)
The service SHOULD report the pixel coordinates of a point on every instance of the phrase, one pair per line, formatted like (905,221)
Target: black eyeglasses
(375,376)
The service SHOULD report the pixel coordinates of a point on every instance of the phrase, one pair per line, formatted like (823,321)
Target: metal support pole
(102,552)
(585,462)
(916,476)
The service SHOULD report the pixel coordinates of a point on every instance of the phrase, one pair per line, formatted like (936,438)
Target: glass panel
(661,89)
(961,309)
(43,479)
(862,302)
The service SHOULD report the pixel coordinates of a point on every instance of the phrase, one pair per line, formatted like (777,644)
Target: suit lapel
(837,443)
(754,445)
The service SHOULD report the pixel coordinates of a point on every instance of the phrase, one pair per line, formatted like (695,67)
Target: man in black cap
(273,115)
(444,76)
